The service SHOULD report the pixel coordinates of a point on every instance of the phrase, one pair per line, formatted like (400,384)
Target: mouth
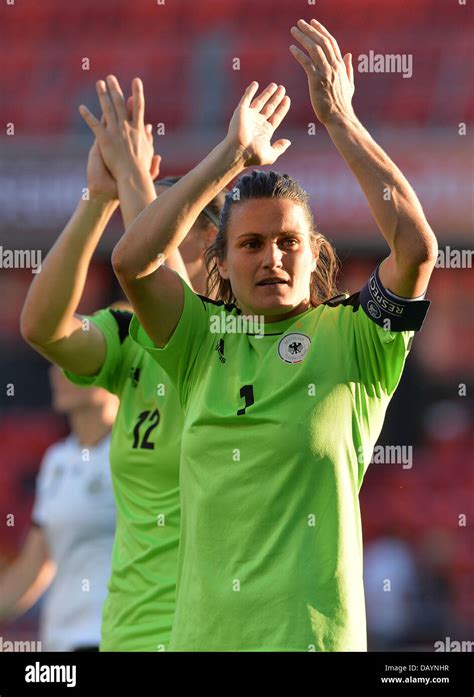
(272,281)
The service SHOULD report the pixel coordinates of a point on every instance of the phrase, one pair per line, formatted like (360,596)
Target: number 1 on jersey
(247,393)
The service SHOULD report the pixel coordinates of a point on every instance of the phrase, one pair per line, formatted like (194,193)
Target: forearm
(136,192)
(158,230)
(27,577)
(56,292)
(393,202)
(19,591)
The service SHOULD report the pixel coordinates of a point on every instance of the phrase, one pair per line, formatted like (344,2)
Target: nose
(272,255)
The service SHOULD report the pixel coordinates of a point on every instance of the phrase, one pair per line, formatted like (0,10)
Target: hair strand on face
(270,185)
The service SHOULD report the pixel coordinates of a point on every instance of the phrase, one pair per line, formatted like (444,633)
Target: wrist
(341,120)
(134,175)
(102,199)
(233,155)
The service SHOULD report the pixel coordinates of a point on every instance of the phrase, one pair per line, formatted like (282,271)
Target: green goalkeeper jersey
(144,458)
(279,430)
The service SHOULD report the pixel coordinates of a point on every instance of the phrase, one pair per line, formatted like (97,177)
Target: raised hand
(125,143)
(99,180)
(255,120)
(330,76)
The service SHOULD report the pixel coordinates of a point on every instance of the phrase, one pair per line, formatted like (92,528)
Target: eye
(289,242)
(251,244)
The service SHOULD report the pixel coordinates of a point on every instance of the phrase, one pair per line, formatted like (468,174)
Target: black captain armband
(390,311)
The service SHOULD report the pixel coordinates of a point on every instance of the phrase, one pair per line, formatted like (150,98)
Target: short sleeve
(374,356)
(179,358)
(384,329)
(114,325)
(378,354)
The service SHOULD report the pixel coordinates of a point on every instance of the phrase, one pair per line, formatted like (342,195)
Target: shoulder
(345,300)
(216,305)
(52,455)
(58,449)
(382,307)
(115,320)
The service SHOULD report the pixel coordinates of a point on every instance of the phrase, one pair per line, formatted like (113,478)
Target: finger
(274,102)
(304,60)
(349,67)
(260,101)
(155,166)
(105,103)
(280,113)
(314,48)
(149,132)
(319,39)
(280,146)
(248,95)
(322,29)
(130,108)
(138,102)
(116,95)
(89,118)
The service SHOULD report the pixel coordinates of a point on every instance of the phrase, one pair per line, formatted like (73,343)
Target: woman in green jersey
(281,416)
(96,350)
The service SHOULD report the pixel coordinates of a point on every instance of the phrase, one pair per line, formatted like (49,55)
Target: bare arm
(394,204)
(398,213)
(49,321)
(27,578)
(154,291)
(123,139)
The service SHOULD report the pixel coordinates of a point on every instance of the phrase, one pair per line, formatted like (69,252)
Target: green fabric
(144,458)
(271,545)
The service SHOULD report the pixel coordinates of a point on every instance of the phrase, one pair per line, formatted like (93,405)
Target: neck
(298,310)
(198,278)
(91,424)
(302,307)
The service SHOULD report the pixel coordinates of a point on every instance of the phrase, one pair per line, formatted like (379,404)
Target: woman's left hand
(330,76)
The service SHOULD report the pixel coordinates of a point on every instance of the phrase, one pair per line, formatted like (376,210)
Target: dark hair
(210,215)
(257,185)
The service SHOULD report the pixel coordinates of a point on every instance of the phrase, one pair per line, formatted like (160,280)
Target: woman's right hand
(125,142)
(100,181)
(254,122)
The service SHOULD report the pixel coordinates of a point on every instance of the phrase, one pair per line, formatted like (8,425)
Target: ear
(209,236)
(314,263)
(222,266)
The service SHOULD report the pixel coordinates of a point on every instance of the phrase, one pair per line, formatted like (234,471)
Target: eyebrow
(287,233)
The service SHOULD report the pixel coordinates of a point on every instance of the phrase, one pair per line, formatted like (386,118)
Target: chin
(273,306)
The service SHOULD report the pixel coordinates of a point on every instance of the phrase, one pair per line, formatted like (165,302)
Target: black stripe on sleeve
(123,319)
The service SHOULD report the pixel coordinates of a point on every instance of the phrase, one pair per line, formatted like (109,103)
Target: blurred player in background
(279,428)
(97,350)
(73,526)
